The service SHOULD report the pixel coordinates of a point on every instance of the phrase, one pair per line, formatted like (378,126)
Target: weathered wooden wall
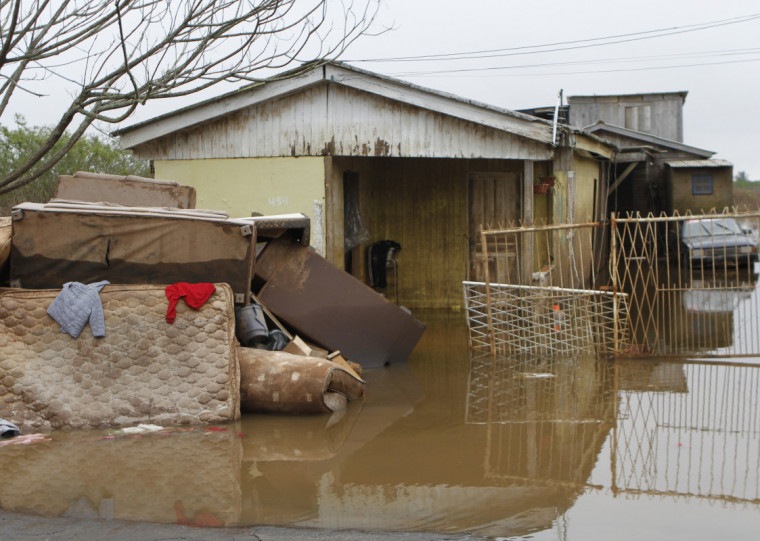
(422,205)
(658,114)
(335,120)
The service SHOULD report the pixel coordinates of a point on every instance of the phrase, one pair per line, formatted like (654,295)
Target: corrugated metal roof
(679,164)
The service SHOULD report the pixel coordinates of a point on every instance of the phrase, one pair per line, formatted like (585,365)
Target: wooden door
(493,199)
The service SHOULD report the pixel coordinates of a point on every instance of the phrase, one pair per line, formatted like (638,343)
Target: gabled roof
(323,72)
(648,138)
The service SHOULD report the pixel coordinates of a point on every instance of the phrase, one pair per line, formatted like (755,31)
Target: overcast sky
(710,49)
(707,52)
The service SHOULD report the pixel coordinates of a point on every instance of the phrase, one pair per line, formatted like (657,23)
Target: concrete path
(15,526)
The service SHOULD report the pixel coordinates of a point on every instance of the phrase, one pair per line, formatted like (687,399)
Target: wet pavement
(463,446)
(15,526)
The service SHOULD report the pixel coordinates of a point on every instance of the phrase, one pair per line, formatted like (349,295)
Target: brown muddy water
(570,449)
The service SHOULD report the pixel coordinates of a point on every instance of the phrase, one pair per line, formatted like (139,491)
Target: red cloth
(195,295)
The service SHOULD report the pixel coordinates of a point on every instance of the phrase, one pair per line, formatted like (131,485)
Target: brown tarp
(332,308)
(144,370)
(58,243)
(126,190)
(279,382)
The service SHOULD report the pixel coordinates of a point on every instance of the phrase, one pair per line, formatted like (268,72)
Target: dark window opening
(702,184)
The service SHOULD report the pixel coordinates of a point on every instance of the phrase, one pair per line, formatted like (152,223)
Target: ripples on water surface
(570,449)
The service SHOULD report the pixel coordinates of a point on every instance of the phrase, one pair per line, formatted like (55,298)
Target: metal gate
(691,282)
(557,310)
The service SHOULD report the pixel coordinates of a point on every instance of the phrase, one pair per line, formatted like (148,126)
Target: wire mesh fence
(682,285)
(544,321)
(665,285)
(552,311)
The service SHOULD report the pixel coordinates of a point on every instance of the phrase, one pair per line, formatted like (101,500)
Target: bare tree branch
(113,55)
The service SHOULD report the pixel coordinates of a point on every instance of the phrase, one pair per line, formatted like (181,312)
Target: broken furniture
(62,242)
(331,308)
(297,225)
(131,191)
(143,370)
(279,382)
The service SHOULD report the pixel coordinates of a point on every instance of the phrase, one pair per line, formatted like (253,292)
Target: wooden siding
(664,112)
(334,120)
(421,204)
(586,186)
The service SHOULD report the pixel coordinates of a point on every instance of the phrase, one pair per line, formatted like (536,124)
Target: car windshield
(711,227)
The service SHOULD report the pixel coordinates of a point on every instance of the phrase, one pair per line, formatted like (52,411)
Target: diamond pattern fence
(691,281)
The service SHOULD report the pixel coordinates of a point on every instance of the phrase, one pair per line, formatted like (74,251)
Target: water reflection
(448,442)
(696,311)
(177,476)
(688,429)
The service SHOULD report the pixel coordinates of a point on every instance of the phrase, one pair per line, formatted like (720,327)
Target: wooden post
(526,250)
(333,214)
(489,300)
(615,285)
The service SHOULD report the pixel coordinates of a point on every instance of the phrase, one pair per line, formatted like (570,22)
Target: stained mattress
(143,370)
(63,242)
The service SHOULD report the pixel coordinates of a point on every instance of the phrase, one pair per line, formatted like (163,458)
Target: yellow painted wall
(245,185)
(586,177)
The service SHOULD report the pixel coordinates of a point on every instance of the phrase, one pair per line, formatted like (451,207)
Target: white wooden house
(371,158)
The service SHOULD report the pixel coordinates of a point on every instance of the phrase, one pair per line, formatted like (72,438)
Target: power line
(447,72)
(574,44)
(727,52)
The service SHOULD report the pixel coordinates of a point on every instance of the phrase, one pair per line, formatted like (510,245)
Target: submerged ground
(461,445)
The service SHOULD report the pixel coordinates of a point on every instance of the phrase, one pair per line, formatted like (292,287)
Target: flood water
(571,449)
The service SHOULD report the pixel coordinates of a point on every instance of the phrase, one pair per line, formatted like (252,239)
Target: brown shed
(700,185)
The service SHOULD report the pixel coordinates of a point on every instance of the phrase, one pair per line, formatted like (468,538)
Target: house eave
(336,73)
(648,138)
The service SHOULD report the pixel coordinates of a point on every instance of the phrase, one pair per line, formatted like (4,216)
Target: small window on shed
(702,184)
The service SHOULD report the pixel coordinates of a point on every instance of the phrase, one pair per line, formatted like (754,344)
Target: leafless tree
(113,55)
